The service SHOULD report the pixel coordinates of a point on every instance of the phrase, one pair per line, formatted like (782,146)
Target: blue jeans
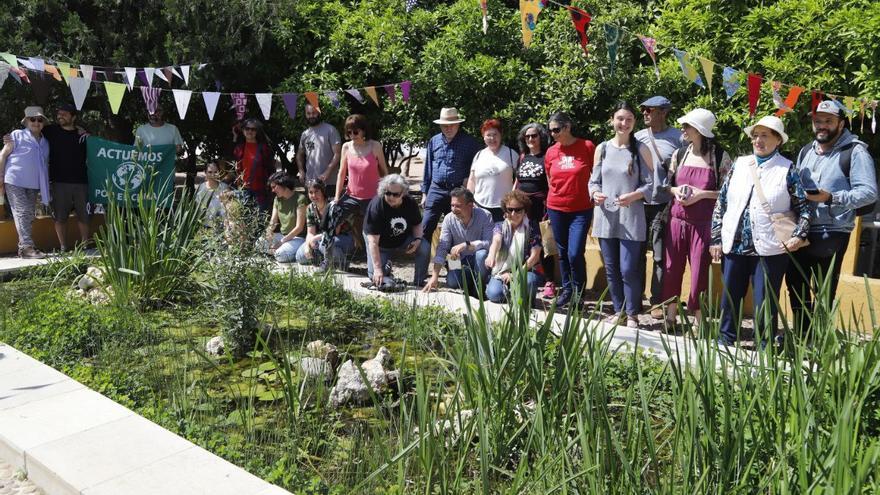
(498,292)
(623,270)
(765,274)
(473,273)
(570,230)
(343,246)
(423,255)
(437,204)
(286,253)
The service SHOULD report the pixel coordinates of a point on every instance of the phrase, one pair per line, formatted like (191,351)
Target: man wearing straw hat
(447,166)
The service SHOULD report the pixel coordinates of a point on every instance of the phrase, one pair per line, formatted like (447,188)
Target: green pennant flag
(115,91)
(64,69)
(10,59)
(141,172)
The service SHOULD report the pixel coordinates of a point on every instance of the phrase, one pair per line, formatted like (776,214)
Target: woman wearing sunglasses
(255,163)
(24,172)
(362,164)
(516,245)
(622,179)
(568,164)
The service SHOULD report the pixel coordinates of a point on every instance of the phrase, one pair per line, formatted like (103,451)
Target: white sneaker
(632,322)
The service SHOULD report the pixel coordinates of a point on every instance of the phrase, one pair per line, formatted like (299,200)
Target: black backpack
(845,164)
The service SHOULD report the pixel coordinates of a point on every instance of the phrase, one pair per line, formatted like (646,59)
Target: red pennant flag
(581,20)
(754,84)
(312,97)
(790,100)
(817,98)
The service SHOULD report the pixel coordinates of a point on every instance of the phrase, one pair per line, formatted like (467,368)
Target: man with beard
(838,175)
(319,150)
(67,173)
(158,132)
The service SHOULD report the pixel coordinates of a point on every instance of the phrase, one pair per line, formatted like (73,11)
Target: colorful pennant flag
(290,103)
(87,71)
(239,104)
(312,98)
(731,81)
(850,103)
(708,70)
(333,96)
(862,112)
(4,72)
(484,9)
(405,86)
(37,64)
(264,101)
(754,85)
(581,20)
(51,69)
(390,90)
(790,101)
(371,92)
(358,96)
(181,99)
(64,70)
(130,74)
(612,41)
(149,72)
(650,45)
(10,59)
(79,87)
(115,91)
(874,117)
(529,10)
(690,72)
(151,98)
(817,98)
(211,98)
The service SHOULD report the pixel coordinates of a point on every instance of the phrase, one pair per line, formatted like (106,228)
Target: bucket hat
(770,122)
(33,112)
(700,119)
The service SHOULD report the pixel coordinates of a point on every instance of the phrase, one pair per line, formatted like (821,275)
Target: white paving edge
(54,432)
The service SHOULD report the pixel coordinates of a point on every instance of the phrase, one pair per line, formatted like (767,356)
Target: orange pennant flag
(51,69)
(371,90)
(313,99)
(73,72)
(790,100)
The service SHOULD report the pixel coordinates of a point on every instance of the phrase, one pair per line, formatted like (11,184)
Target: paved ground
(14,483)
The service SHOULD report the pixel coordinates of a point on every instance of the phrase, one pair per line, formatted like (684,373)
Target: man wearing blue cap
(838,175)
(662,141)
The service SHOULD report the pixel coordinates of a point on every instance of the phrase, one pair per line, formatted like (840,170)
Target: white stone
(215,346)
(93,278)
(350,387)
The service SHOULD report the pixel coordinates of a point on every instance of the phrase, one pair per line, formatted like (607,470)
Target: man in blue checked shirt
(447,166)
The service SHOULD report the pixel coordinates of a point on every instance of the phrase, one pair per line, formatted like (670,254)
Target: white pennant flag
(79,86)
(211,98)
(161,75)
(265,102)
(184,69)
(149,71)
(175,72)
(26,63)
(87,71)
(4,71)
(130,74)
(38,63)
(181,99)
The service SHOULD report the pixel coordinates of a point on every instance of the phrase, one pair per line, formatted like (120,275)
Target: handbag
(783,223)
(548,242)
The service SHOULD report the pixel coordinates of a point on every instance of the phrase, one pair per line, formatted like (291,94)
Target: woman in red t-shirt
(569,163)
(255,162)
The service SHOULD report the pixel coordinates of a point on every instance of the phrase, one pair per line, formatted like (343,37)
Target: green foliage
(242,286)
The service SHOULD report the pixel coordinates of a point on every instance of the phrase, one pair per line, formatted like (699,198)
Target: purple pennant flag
(390,89)
(404,88)
(290,103)
(356,95)
(334,98)
(142,77)
(151,98)
(239,103)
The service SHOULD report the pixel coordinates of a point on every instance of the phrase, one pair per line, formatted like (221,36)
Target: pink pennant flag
(239,103)
(405,86)
(151,98)
(650,45)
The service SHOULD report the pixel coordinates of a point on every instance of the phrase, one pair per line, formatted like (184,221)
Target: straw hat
(700,119)
(770,122)
(449,116)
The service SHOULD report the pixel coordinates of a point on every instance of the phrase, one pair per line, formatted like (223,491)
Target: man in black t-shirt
(393,225)
(67,173)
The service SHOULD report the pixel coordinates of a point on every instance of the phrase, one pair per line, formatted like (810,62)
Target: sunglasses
(353,133)
(36,119)
(515,210)
(532,136)
(555,130)
(393,194)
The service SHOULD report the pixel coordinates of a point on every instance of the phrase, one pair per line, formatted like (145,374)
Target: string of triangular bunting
(79,87)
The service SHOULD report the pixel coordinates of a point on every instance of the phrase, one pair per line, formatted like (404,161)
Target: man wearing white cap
(838,175)
(447,166)
(662,141)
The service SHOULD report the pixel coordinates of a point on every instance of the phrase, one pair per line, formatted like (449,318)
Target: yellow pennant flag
(850,103)
(115,91)
(529,10)
(708,69)
(51,69)
(371,90)
(64,69)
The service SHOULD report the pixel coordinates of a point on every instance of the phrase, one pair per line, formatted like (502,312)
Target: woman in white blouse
(492,170)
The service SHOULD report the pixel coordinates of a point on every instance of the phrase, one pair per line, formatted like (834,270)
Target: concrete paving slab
(88,458)
(33,383)
(9,265)
(13,361)
(185,473)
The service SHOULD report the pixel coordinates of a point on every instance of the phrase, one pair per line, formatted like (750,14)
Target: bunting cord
(103,68)
(868,102)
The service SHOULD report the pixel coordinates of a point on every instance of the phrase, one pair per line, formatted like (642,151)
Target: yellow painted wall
(43,233)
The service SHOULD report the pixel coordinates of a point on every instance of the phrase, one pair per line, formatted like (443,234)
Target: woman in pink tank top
(362,163)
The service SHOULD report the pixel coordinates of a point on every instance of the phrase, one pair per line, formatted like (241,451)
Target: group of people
(673,191)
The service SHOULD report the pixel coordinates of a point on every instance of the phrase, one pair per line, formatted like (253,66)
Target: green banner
(142,171)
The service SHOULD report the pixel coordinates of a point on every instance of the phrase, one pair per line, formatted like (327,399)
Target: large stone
(323,350)
(316,368)
(350,387)
(93,278)
(215,346)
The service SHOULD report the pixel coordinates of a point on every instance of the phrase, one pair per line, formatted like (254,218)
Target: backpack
(845,164)
(717,150)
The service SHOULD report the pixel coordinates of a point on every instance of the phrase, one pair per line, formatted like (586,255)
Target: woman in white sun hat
(761,215)
(695,174)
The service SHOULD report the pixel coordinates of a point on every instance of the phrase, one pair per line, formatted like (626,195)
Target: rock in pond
(215,346)
(350,387)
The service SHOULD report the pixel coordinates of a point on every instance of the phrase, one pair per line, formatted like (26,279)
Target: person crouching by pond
(516,245)
(492,170)
(314,250)
(621,181)
(760,217)
(288,211)
(464,238)
(392,226)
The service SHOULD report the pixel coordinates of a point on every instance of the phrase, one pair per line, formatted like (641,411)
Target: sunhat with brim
(700,119)
(449,116)
(33,112)
(770,122)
